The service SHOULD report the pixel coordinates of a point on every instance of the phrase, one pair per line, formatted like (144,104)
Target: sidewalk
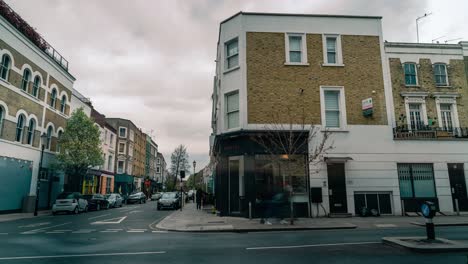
(192,220)
(18,216)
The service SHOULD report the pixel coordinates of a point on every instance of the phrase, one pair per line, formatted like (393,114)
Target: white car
(70,202)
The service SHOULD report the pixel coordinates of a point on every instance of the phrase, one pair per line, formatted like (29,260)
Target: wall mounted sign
(367,107)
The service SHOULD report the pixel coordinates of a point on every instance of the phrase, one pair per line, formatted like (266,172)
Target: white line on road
(94,217)
(114,229)
(83,231)
(3,233)
(108,231)
(85,255)
(110,221)
(65,230)
(157,231)
(55,232)
(136,230)
(44,228)
(315,245)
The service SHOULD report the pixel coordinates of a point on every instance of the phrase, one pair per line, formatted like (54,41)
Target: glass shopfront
(287,174)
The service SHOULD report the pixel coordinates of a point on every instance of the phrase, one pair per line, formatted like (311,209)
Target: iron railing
(30,33)
(428,132)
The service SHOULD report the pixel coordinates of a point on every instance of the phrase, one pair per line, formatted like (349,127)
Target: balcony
(429,133)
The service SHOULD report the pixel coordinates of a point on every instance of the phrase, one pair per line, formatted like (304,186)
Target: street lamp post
(43,140)
(194,175)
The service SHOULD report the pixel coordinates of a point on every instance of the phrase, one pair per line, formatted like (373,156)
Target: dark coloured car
(138,197)
(169,200)
(97,202)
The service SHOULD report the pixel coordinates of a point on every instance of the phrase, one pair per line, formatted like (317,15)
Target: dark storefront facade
(247,173)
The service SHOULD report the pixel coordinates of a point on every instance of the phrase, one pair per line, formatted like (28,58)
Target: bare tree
(281,141)
(179,162)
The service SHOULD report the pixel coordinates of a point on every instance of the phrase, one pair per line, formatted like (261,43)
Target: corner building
(291,69)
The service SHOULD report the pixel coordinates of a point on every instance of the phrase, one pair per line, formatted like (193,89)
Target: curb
(398,242)
(441,224)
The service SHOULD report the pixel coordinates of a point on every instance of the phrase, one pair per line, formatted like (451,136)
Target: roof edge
(422,45)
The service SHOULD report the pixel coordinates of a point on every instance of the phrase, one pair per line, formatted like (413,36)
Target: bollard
(430,229)
(403,213)
(457,209)
(250,210)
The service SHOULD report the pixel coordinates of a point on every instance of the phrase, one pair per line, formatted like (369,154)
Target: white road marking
(136,230)
(134,212)
(94,217)
(108,231)
(315,245)
(65,230)
(34,225)
(85,255)
(44,228)
(116,229)
(385,225)
(157,231)
(3,233)
(55,232)
(110,221)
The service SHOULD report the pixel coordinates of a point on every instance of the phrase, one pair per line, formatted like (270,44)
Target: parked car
(156,196)
(169,200)
(96,202)
(191,195)
(70,202)
(138,197)
(114,199)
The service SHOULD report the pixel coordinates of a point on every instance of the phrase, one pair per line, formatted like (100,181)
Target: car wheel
(141,202)
(54,213)
(98,207)
(121,204)
(86,209)
(108,206)
(76,211)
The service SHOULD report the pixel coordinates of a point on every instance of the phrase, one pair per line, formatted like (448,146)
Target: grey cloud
(153,61)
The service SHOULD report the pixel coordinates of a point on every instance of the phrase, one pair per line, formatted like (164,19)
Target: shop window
(416,180)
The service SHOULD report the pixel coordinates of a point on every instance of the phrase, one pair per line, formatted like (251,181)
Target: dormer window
(411,76)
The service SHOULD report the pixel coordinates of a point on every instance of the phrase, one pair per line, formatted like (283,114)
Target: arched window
(19,128)
(26,79)
(2,117)
(49,137)
(59,136)
(36,85)
(53,98)
(31,130)
(63,103)
(5,67)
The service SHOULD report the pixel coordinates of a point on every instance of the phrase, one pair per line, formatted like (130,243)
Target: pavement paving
(192,220)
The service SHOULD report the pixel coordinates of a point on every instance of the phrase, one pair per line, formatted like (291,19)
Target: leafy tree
(79,148)
(179,162)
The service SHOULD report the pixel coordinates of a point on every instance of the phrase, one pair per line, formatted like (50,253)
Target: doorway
(337,188)
(236,184)
(458,185)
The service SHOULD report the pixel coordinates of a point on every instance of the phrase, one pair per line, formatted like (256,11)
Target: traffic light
(182,174)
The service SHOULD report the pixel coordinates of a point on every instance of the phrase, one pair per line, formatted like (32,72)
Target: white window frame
(453,102)
(125,148)
(125,132)
(226,57)
(105,136)
(339,51)
(342,104)
(158,169)
(131,147)
(226,110)
(446,75)
(416,66)
(109,162)
(303,49)
(111,139)
(416,100)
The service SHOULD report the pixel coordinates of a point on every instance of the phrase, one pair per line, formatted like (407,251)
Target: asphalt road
(128,235)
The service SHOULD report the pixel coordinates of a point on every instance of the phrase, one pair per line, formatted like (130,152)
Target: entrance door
(458,185)
(337,188)
(234,186)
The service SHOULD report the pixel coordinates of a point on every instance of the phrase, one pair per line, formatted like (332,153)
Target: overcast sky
(153,61)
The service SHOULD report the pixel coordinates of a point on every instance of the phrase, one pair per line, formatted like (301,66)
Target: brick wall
(457,81)
(16,102)
(273,87)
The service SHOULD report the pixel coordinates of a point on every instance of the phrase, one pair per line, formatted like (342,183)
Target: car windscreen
(169,196)
(65,196)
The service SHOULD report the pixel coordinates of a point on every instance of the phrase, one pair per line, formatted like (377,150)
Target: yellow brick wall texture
(273,89)
(457,81)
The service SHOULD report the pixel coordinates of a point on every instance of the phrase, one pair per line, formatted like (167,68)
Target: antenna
(452,40)
(437,39)
(417,21)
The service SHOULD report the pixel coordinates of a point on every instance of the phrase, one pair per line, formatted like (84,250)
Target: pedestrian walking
(198,198)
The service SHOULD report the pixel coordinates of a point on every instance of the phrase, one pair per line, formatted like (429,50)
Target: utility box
(316,195)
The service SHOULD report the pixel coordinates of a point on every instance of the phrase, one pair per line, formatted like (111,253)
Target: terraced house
(35,97)
(396,114)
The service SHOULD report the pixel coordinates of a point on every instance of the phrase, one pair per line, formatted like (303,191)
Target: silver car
(70,202)
(115,200)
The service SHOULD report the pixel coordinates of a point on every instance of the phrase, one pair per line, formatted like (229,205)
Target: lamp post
(194,175)
(43,140)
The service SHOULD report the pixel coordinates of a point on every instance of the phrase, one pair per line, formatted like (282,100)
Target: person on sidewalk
(198,198)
